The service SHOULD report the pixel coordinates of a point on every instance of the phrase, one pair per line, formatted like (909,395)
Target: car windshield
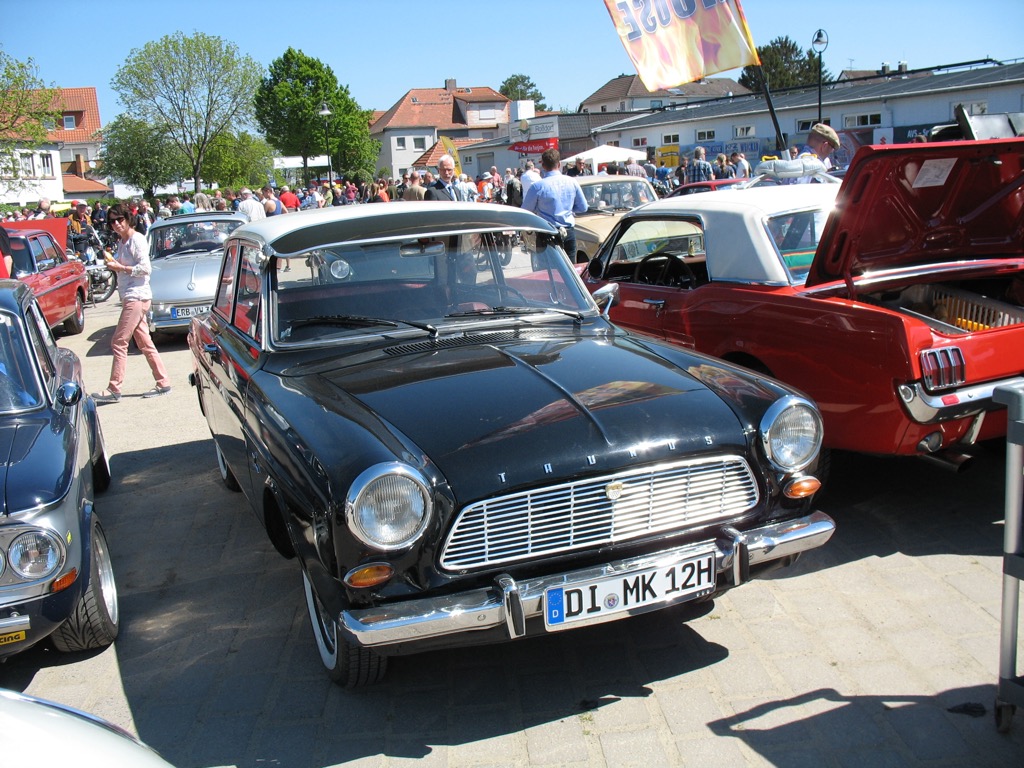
(19,384)
(617,193)
(423,283)
(796,235)
(189,237)
(645,237)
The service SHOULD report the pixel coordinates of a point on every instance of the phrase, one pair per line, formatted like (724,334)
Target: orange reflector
(64,581)
(369,575)
(802,487)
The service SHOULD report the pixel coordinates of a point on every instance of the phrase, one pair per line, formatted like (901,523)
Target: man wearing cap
(822,141)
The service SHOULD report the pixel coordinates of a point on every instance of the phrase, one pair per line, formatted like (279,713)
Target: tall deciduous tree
(26,109)
(522,88)
(241,159)
(288,104)
(785,65)
(198,87)
(140,154)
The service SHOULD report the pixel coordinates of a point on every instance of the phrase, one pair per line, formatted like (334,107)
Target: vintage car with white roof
(460,448)
(894,300)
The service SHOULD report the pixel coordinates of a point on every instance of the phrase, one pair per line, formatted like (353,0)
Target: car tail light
(943,368)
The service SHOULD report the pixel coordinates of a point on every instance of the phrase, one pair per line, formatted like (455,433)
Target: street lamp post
(325,113)
(819,44)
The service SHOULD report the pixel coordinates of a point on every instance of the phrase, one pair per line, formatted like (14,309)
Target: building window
(705,136)
(862,121)
(419,143)
(670,138)
(28,169)
(640,142)
(743,131)
(656,103)
(604,108)
(69,122)
(47,164)
(622,106)
(487,114)
(400,142)
(612,143)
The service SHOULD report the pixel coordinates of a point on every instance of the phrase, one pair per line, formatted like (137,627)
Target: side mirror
(595,269)
(606,297)
(68,394)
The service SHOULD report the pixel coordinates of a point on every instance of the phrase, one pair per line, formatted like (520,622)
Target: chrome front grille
(599,511)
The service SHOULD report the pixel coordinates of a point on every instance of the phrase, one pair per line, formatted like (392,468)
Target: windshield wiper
(574,314)
(359,321)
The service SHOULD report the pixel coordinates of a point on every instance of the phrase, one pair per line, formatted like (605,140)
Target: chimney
(902,67)
(885,67)
(449,85)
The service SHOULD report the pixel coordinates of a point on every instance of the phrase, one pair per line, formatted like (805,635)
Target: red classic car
(899,314)
(60,284)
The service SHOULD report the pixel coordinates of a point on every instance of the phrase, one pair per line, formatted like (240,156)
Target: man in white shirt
(253,209)
(530,175)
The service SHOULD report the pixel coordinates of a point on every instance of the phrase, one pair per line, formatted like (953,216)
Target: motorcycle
(90,249)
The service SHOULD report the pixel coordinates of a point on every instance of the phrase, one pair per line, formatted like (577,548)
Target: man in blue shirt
(556,198)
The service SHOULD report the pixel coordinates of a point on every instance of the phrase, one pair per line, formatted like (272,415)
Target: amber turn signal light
(802,487)
(370,575)
(64,581)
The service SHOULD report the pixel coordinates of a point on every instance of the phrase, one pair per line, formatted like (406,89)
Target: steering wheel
(671,259)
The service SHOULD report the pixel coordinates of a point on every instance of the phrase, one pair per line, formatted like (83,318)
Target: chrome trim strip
(478,609)
(926,408)
(15,623)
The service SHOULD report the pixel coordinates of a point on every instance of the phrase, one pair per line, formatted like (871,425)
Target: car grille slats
(599,511)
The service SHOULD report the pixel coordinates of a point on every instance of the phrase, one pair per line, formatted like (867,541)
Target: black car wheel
(225,471)
(347,665)
(76,323)
(96,620)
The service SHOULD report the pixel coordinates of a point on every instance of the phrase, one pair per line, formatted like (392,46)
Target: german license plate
(601,598)
(12,637)
(177,312)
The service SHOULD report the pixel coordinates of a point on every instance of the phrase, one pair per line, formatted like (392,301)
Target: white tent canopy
(606,153)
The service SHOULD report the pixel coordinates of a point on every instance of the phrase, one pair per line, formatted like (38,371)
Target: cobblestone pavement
(866,653)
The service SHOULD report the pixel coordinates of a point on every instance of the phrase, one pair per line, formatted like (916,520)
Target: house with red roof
(64,168)
(417,121)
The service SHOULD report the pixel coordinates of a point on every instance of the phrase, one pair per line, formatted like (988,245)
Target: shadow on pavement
(954,728)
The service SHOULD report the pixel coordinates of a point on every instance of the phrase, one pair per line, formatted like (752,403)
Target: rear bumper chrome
(959,403)
(511,604)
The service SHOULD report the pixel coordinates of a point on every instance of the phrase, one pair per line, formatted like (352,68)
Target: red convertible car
(894,299)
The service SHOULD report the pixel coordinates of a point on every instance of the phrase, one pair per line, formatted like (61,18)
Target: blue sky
(569,48)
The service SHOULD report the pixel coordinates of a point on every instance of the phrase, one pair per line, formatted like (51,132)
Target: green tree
(288,106)
(236,160)
(522,88)
(27,107)
(142,155)
(198,87)
(785,65)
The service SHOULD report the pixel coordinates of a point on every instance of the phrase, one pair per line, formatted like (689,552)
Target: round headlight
(388,506)
(791,433)
(35,555)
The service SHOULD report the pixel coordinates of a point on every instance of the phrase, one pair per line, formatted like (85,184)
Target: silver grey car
(186,252)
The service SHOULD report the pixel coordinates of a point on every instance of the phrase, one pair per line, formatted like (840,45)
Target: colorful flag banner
(451,149)
(672,42)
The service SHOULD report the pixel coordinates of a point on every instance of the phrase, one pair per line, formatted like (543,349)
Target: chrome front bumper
(510,604)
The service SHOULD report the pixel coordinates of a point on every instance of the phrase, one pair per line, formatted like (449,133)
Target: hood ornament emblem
(614,490)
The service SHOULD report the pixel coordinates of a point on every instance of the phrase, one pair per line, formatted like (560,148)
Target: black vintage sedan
(56,578)
(422,403)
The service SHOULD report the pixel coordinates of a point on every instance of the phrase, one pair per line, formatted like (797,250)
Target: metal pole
(325,111)
(818,45)
(819,87)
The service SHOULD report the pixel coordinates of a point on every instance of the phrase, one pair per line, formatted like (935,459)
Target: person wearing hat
(822,141)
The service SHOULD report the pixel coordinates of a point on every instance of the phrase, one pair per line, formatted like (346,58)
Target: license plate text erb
(624,592)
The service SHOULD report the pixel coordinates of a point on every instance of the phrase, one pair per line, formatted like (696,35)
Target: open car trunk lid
(914,205)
